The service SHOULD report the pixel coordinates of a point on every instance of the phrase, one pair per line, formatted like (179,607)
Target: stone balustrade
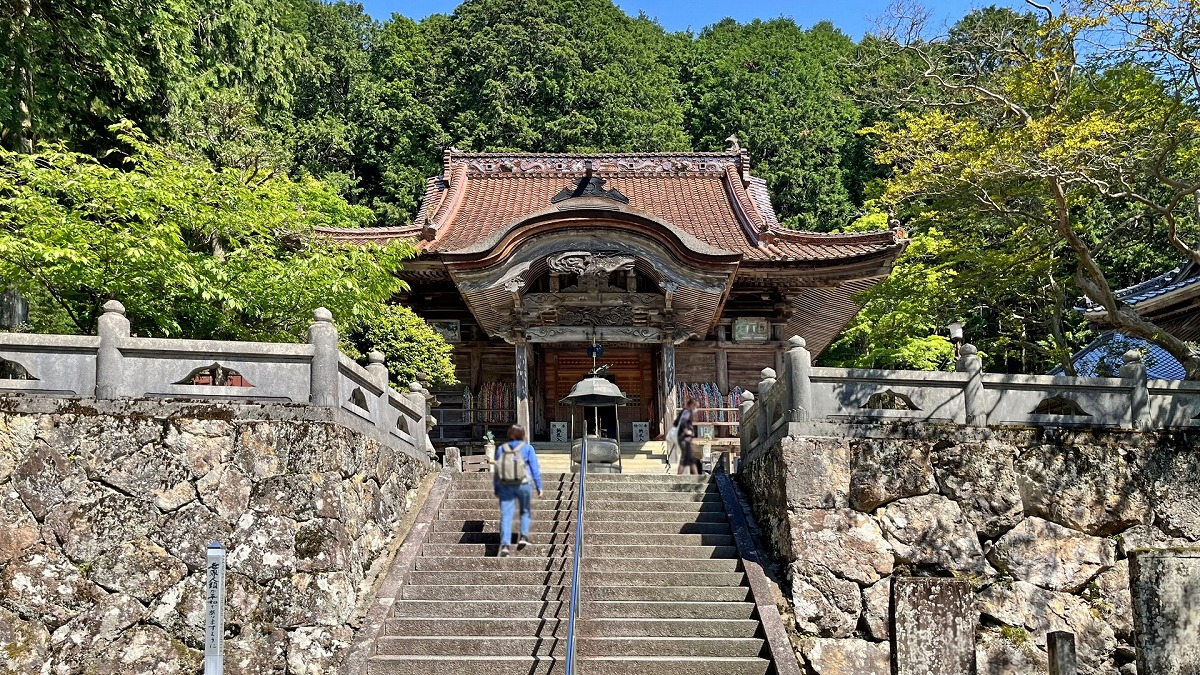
(114,365)
(807,396)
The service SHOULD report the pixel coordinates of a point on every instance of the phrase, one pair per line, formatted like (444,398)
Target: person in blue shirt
(511,495)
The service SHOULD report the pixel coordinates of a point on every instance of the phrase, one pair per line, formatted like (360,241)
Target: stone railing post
(1060,645)
(377,369)
(746,406)
(1134,373)
(972,365)
(323,374)
(1164,585)
(933,626)
(764,411)
(420,430)
(799,380)
(112,327)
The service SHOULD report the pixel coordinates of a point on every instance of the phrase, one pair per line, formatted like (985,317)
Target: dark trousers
(689,463)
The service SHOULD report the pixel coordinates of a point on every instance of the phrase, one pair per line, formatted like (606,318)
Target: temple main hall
(674,264)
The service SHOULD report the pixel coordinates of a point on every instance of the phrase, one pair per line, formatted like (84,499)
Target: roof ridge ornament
(589,186)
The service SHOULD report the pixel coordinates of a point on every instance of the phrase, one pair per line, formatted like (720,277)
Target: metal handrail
(582,506)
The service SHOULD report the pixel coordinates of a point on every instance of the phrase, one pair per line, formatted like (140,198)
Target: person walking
(688,462)
(514,478)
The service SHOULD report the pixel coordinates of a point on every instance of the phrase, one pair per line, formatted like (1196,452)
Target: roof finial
(734,145)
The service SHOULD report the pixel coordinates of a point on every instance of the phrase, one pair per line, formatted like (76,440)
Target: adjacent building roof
(710,196)
(1170,300)
(1102,358)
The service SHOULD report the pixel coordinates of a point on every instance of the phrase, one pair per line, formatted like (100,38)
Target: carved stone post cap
(796,342)
(375,357)
(1132,356)
(415,387)
(322,315)
(114,307)
(747,396)
(768,373)
(969,350)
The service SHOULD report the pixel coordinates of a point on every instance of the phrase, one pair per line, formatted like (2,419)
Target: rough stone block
(1052,556)
(851,656)
(824,604)
(843,541)
(884,470)
(1035,612)
(1166,610)
(1090,488)
(931,532)
(933,626)
(981,478)
(818,472)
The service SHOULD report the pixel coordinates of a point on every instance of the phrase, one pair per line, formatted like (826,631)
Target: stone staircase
(663,587)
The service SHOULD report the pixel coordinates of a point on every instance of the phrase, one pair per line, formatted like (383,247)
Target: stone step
(493,537)
(462,591)
(472,591)
(669,646)
(595,478)
(464,665)
(492,576)
(466,609)
(589,537)
(531,665)
(532,551)
(596,503)
(595,513)
(475,562)
(609,526)
(644,609)
(658,551)
(665,593)
(593,609)
(674,665)
(556,645)
(693,628)
(591,578)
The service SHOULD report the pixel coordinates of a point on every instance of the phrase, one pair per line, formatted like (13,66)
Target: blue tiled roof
(1102,358)
(1180,277)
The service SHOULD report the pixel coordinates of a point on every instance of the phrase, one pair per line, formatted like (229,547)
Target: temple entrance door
(630,368)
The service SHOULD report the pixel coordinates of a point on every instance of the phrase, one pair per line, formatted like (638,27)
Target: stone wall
(107,508)
(1040,521)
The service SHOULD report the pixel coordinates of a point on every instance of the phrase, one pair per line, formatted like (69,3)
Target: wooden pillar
(723,371)
(522,368)
(670,390)
(476,368)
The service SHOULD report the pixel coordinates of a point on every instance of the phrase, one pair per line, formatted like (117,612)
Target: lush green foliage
(190,250)
(408,344)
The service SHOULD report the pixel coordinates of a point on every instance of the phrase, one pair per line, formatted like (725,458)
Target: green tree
(1036,143)
(408,344)
(190,250)
(784,91)
(556,76)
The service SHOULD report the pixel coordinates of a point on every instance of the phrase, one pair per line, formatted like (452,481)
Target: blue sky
(852,16)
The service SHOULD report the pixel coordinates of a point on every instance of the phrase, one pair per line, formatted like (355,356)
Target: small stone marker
(1061,646)
(214,610)
(933,626)
(1165,585)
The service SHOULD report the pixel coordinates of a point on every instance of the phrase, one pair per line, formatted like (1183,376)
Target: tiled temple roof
(708,195)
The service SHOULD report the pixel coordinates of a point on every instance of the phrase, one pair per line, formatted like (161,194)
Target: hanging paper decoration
(496,403)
